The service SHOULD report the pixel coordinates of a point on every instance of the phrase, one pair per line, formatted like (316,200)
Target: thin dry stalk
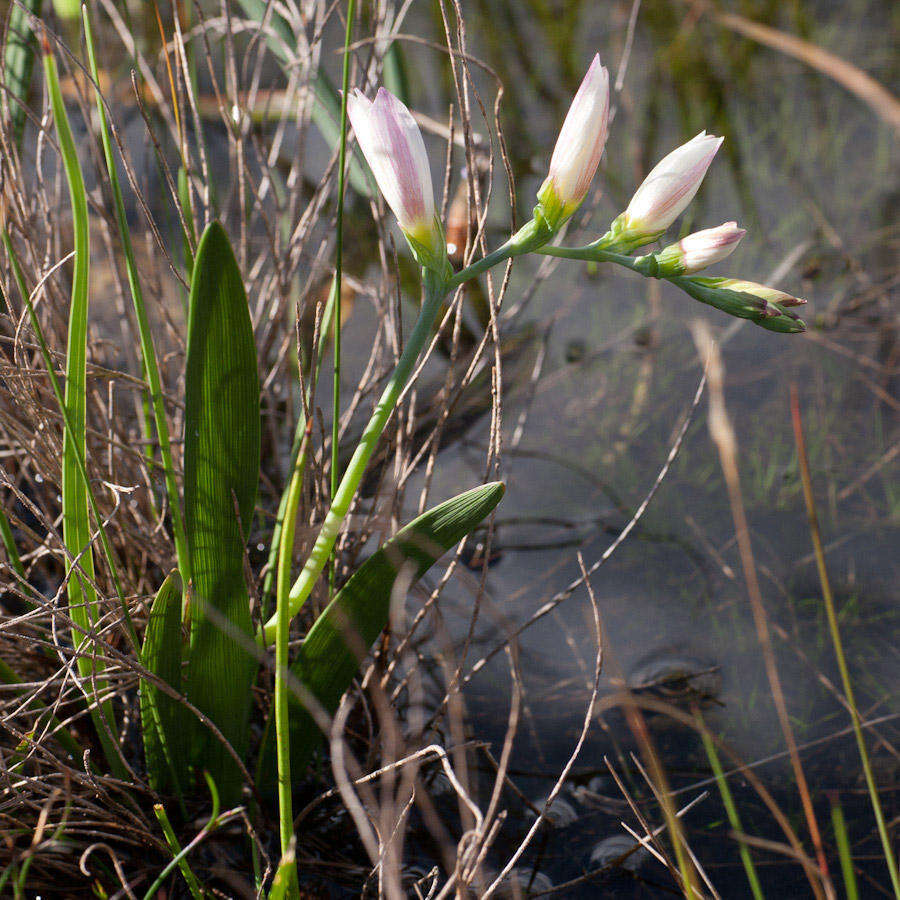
(724,438)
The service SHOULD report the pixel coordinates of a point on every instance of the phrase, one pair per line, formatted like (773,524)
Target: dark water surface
(811,172)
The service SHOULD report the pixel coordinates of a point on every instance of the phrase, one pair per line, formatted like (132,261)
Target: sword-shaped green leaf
(221,471)
(330,655)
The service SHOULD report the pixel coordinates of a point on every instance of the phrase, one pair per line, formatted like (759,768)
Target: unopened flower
(578,148)
(763,305)
(763,292)
(669,188)
(699,250)
(393,147)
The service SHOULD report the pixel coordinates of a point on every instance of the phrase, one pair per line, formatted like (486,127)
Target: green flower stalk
(392,145)
(435,291)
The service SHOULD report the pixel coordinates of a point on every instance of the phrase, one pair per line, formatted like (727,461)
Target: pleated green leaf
(221,471)
(164,721)
(330,655)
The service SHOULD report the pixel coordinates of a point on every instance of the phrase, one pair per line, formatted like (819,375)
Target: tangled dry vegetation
(65,826)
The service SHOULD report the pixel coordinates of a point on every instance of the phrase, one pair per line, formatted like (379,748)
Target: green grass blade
(148,352)
(75,503)
(221,471)
(831,612)
(844,852)
(330,655)
(163,719)
(172,840)
(179,859)
(18,61)
(12,554)
(730,809)
(69,428)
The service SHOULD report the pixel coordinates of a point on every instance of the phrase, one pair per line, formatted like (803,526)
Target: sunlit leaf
(221,471)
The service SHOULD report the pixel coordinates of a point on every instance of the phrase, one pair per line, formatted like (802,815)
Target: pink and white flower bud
(764,292)
(578,148)
(700,249)
(392,144)
(671,185)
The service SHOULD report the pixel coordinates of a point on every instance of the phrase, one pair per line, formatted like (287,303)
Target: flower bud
(669,188)
(764,293)
(393,147)
(763,305)
(699,250)
(578,148)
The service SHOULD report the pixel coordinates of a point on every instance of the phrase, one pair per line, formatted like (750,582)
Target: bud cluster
(393,146)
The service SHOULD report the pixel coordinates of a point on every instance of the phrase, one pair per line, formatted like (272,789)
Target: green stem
(146,339)
(529,238)
(179,857)
(175,847)
(338,266)
(282,664)
(272,564)
(598,251)
(435,291)
(730,808)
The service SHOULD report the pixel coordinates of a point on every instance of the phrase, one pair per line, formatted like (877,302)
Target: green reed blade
(12,553)
(730,809)
(83,606)
(844,852)
(177,853)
